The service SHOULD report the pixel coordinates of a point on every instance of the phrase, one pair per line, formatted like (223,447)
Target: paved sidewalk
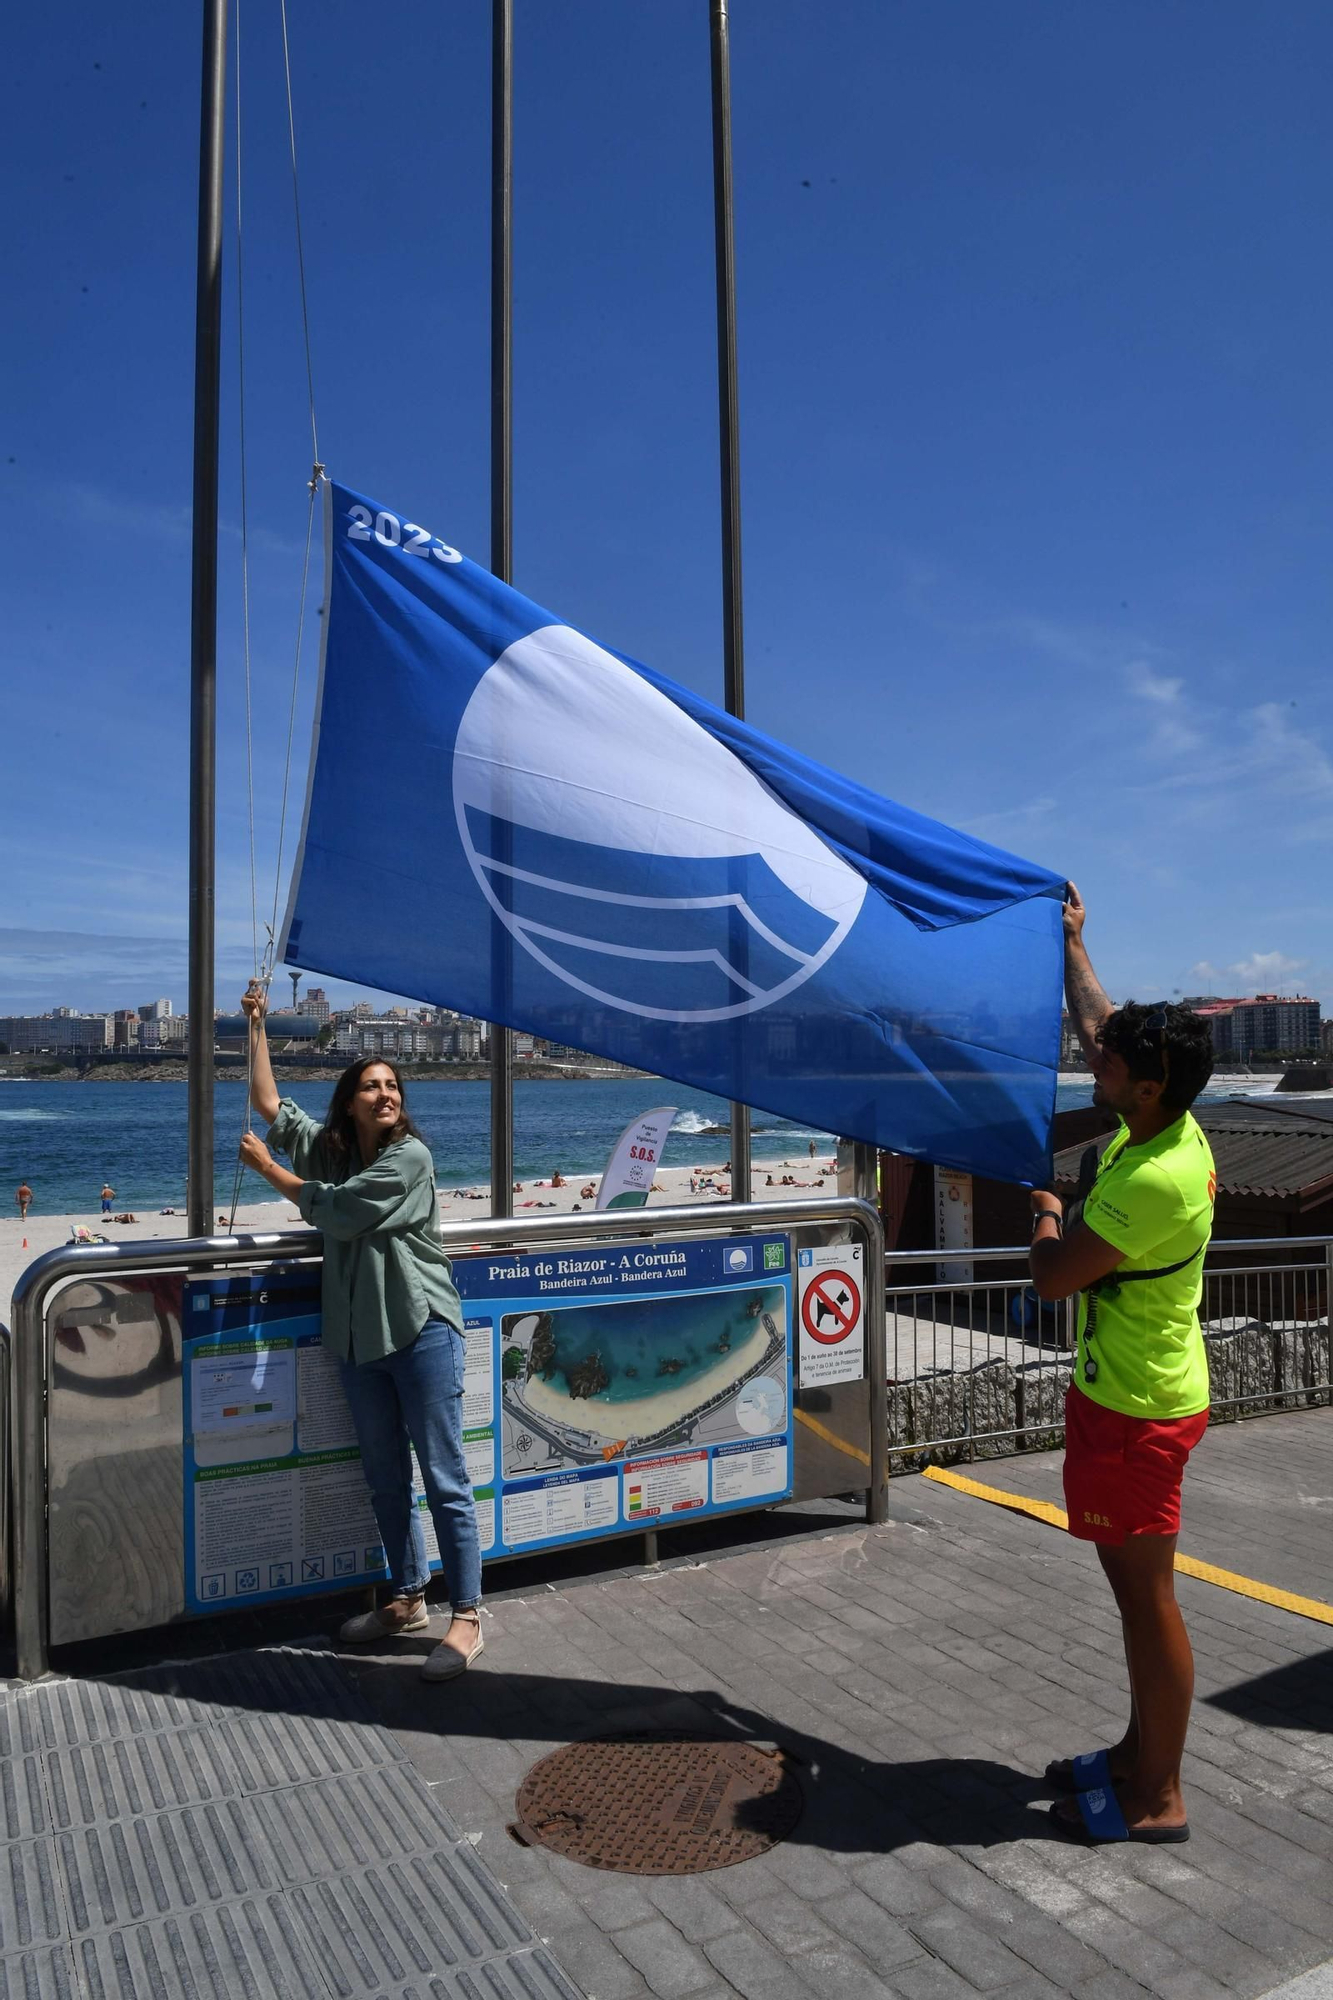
(923,1672)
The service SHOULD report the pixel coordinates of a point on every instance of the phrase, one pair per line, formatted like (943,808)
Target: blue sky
(1034,325)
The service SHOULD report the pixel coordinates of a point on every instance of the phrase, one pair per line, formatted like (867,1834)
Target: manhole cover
(660,1804)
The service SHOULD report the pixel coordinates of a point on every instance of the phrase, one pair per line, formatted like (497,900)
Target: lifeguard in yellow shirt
(1138,1400)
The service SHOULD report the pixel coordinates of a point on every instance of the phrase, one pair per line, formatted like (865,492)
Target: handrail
(955,1253)
(28,1387)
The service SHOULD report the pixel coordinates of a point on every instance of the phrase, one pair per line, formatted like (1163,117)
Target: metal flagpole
(729,445)
(203,621)
(502,465)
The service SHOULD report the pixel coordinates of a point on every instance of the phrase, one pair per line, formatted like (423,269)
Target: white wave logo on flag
(631,853)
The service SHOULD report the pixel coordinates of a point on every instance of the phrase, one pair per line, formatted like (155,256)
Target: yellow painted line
(839,1444)
(1040,1510)
(1266,1593)
(1225,1579)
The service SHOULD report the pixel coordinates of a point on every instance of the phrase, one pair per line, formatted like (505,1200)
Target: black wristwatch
(1043,1214)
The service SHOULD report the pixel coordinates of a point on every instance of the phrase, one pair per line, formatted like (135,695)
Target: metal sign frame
(32,1341)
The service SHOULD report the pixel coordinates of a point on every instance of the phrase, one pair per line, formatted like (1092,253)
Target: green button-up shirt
(385,1270)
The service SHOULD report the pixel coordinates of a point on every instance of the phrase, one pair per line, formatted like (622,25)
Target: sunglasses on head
(1156,1024)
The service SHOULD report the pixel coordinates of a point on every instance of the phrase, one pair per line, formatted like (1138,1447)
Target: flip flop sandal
(1101,1822)
(1087,1773)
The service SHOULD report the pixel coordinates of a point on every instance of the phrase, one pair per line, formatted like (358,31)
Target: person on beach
(392,1318)
(108,1196)
(1138,1400)
(24,1200)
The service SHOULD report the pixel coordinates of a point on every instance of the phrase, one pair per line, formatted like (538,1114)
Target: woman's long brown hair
(339,1129)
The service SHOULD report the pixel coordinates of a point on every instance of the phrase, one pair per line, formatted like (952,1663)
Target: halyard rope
(245,604)
(263,963)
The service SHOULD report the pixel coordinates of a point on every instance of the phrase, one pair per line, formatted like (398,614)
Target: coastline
(643,1416)
(457,1204)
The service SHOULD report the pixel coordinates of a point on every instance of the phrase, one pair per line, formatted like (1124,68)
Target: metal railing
(977,1365)
(32,1361)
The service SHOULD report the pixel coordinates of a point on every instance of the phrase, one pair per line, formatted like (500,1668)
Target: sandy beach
(21,1243)
(644,1415)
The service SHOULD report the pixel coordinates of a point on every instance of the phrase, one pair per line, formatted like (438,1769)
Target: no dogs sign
(832,1325)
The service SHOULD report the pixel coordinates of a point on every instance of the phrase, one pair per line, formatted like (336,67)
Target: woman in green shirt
(392,1319)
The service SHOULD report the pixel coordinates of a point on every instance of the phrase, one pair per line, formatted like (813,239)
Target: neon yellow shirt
(1155,1203)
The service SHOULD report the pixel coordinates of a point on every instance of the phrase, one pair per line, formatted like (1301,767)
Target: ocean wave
(694,1122)
(29,1117)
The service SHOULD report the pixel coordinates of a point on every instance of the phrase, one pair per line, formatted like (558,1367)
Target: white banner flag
(628,1179)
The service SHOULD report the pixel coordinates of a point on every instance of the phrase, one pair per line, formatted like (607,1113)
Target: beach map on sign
(584,1384)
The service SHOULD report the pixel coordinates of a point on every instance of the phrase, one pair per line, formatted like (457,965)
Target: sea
(66,1139)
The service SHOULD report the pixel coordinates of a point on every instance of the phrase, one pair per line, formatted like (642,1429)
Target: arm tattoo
(1087,1002)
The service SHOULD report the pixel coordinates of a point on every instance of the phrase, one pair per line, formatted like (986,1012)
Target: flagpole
(203,625)
(502,462)
(729,446)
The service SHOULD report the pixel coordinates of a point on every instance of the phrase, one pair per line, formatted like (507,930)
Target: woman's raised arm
(263,1090)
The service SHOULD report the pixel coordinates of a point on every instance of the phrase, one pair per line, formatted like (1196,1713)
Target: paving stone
(900,1890)
(931,1979)
(30,1901)
(1192,1984)
(44,1974)
(614,1901)
(244,1948)
(839,1972)
(1055,1952)
(691,1905)
(789,1923)
(670,1966)
(1215,1950)
(591,1960)
(752,1968)
(802,1869)
(978,1957)
(881,1940)
(1034,1986)
(1110,1985)
(970,1889)
(1139,1954)
(548,1905)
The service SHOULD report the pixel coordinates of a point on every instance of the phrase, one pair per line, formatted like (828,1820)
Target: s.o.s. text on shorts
(1123,1474)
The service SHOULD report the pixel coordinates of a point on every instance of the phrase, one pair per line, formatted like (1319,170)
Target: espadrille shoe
(446,1663)
(372,1625)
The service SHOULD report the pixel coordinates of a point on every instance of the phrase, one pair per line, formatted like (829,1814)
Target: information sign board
(831,1345)
(636,1382)
(603,1388)
(276,1504)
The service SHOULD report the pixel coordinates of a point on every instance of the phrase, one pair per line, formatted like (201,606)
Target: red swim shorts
(1123,1474)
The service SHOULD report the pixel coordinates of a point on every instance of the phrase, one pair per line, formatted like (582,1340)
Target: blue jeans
(416,1395)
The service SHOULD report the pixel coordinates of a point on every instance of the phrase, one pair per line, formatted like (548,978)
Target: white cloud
(1261,972)
(1266,971)
(1173,726)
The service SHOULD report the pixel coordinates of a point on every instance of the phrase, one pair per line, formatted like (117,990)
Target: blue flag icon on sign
(558,839)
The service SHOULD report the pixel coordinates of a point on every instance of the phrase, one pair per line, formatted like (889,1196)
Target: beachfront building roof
(1268,1024)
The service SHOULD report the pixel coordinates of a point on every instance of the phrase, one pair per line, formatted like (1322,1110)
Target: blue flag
(506,818)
